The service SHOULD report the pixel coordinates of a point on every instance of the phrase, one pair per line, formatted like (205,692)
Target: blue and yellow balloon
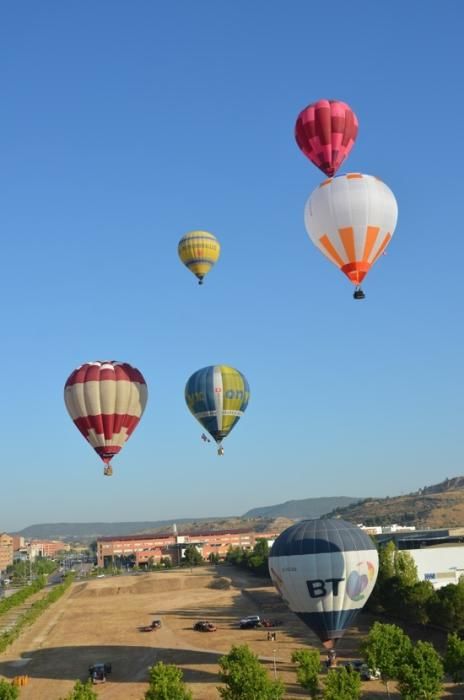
(199,251)
(217,396)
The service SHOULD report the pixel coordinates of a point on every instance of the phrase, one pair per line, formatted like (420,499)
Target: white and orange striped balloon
(351,219)
(106,401)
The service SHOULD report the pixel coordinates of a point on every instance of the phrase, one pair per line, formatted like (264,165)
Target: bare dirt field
(98,621)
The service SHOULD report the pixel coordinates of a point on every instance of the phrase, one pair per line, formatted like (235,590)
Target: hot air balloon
(217,396)
(351,219)
(325,570)
(326,131)
(199,250)
(105,401)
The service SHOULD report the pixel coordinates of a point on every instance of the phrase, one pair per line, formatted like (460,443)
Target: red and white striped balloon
(106,401)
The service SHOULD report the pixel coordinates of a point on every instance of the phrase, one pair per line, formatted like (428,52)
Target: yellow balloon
(199,250)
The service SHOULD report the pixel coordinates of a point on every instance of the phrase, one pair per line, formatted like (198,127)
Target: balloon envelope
(199,251)
(326,131)
(325,570)
(217,396)
(105,401)
(351,219)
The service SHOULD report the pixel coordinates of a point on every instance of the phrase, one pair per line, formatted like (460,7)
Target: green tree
(166,683)
(342,684)
(397,574)
(308,663)
(82,691)
(415,602)
(192,556)
(257,559)
(422,674)
(454,658)
(166,562)
(385,648)
(213,558)
(447,608)
(8,691)
(245,678)
(405,568)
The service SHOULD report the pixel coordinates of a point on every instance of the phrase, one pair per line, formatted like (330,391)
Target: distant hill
(87,532)
(303,508)
(90,531)
(440,505)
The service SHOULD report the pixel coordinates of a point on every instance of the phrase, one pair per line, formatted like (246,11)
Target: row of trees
(254,560)
(417,669)
(21,571)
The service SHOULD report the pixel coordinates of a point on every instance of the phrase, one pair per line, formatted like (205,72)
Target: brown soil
(99,620)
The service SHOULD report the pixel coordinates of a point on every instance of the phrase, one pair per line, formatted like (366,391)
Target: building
(46,548)
(438,554)
(6,551)
(143,548)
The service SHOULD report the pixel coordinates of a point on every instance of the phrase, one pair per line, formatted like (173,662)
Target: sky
(125,125)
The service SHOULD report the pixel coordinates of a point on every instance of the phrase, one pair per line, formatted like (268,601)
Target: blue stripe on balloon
(320,537)
(329,625)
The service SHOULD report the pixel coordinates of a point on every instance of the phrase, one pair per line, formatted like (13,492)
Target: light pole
(275,665)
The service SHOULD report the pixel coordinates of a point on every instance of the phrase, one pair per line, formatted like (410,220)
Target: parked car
(366,673)
(369,674)
(204,626)
(250,622)
(269,622)
(99,671)
(155,625)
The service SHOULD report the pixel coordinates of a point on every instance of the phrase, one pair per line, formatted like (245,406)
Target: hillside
(440,505)
(86,532)
(302,508)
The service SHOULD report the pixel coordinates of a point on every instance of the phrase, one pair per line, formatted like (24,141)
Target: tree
(245,678)
(421,676)
(342,684)
(166,683)
(386,648)
(447,608)
(308,668)
(213,558)
(405,569)
(257,559)
(397,575)
(416,601)
(454,658)
(192,556)
(82,691)
(8,691)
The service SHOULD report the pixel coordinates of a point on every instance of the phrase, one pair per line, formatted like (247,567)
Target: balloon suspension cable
(358,293)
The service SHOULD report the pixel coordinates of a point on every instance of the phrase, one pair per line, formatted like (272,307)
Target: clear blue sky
(124,125)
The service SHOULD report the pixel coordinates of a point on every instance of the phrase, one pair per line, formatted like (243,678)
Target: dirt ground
(98,620)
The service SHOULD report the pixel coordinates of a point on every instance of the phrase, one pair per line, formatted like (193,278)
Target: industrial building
(438,554)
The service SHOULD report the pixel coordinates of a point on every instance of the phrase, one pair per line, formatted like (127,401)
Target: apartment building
(143,548)
(6,551)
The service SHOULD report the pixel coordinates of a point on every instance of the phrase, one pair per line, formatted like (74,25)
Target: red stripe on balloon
(95,372)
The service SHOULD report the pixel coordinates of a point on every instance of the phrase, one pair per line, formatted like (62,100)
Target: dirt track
(99,620)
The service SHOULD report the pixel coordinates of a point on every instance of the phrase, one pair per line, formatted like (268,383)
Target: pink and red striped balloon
(326,131)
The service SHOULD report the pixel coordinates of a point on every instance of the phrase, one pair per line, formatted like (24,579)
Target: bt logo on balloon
(359,579)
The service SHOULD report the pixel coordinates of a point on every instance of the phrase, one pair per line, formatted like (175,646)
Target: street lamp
(275,665)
